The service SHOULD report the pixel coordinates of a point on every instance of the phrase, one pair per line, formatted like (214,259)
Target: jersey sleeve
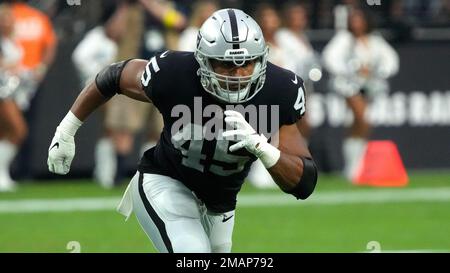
(293,105)
(155,76)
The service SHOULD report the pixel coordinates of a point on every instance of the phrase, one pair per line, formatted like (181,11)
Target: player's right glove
(249,139)
(62,147)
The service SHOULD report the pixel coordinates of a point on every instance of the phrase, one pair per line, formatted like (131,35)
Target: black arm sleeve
(308,181)
(108,80)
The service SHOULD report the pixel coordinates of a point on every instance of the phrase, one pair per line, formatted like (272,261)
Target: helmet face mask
(233,37)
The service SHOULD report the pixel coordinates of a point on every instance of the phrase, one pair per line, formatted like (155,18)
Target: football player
(184,192)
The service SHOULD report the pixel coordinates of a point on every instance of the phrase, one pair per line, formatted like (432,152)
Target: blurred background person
(96,50)
(124,118)
(13,129)
(201,10)
(295,42)
(98,47)
(303,59)
(269,20)
(34,32)
(171,20)
(165,12)
(360,62)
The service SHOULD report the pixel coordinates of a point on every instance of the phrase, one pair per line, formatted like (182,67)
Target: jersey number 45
(223,163)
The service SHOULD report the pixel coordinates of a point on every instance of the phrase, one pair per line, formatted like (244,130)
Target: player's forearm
(287,172)
(290,165)
(87,102)
(295,174)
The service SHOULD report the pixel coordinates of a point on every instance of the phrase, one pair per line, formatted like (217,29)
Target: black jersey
(207,167)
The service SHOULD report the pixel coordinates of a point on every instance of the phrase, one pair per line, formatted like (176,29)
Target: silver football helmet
(230,35)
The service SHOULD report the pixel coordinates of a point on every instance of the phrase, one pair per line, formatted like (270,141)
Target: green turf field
(339,217)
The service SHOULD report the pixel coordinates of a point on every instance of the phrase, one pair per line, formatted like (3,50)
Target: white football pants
(174,219)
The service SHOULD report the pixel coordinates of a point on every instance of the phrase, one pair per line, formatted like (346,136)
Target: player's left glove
(249,139)
(62,147)
(61,152)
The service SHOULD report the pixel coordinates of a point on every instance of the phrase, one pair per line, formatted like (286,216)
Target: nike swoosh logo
(56,144)
(164,54)
(225,218)
(296,80)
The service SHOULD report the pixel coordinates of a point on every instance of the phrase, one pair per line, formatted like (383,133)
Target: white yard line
(414,251)
(353,197)
(374,196)
(55,205)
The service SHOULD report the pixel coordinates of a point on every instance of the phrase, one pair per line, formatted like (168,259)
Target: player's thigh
(219,228)
(169,214)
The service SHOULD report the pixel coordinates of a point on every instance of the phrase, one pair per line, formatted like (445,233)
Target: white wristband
(269,155)
(70,124)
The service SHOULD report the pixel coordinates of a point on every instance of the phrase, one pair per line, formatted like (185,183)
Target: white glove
(62,147)
(249,139)
(61,152)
